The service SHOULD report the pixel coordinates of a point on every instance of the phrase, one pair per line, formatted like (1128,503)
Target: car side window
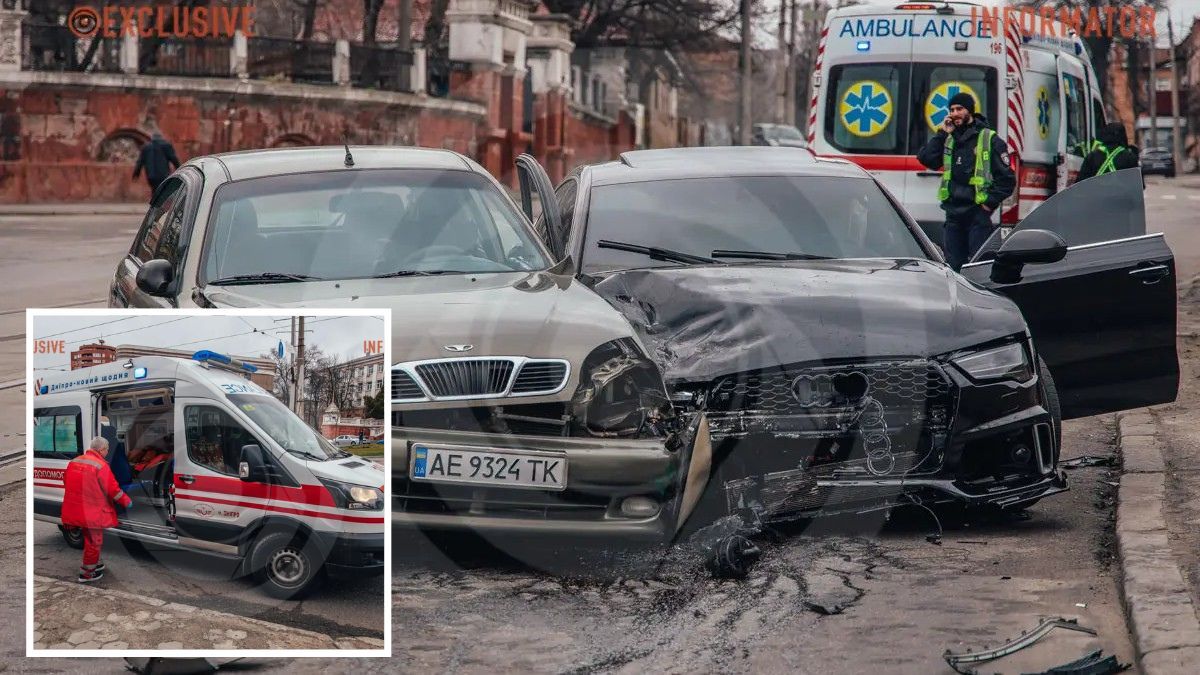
(565,196)
(215,439)
(57,432)
(167,202)
(168,241)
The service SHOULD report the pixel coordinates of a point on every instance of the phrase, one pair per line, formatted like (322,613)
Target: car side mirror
(1024,247)
(155,277)
(251,467)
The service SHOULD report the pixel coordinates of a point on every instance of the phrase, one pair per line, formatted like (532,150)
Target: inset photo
(208,482)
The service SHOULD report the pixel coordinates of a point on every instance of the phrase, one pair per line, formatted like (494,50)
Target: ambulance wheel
(73,535)
(285,565)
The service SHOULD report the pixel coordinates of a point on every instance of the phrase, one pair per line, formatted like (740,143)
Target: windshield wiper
(767,255)
(263,278)
(415,273)
(656,253)
(310,455)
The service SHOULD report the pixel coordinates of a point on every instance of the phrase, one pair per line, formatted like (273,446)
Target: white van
(884,76)
(216,465)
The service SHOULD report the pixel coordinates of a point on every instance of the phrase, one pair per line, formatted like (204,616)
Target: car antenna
(349,157)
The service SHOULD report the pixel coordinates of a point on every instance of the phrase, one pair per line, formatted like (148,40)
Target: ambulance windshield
(285,428)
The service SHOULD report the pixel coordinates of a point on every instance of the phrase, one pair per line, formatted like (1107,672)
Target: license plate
(515,469)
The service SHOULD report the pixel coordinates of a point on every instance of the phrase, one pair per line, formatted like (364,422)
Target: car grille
(540,376)
(802,390)
(404,386)
(466,378)
(478,378)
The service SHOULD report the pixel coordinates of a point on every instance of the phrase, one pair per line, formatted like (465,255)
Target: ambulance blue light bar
(139,373)
(208,356)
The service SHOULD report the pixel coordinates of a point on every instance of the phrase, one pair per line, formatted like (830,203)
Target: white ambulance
(214,464)
(885,73)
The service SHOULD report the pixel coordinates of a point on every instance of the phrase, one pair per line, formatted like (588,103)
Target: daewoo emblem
(458,348)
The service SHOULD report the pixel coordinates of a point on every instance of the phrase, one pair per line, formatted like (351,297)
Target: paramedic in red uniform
(976,177)
(91,491)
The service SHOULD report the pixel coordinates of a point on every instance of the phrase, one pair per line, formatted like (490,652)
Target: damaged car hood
(702,322)
(533,314)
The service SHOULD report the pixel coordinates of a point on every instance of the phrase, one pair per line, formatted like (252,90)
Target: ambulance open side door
(1073,139)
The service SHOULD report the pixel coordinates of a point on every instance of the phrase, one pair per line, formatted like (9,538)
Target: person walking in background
(89,495)
(976,177)
(1112,153)
(158,158)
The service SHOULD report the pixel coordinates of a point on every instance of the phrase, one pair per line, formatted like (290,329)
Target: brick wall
(75,141)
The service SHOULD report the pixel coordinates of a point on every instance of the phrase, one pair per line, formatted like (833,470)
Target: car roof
(715,162)
(281,161)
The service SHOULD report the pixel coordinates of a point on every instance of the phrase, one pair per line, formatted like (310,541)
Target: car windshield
(364,223)
(813,215)
(285,428)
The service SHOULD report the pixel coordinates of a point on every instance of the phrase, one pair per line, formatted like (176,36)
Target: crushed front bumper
(601,474)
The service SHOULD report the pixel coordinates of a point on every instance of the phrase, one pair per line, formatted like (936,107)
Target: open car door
(1103,317)
(535,182)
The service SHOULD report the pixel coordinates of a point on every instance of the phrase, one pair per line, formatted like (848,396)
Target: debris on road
(728,551)
(1089,460)
(958,661)
(1091,664)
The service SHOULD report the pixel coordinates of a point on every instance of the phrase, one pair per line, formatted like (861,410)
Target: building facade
(93,354)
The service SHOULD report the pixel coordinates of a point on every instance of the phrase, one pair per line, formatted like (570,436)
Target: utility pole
(292,386)
(744,112)
(790,114)
(781,66)
(1153,80)
(300,358)
(1177,134)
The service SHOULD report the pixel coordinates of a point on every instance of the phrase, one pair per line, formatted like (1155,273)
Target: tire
(1052,403)
(72,535)
(285,564)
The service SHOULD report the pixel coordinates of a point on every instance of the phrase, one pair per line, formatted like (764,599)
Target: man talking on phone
(976,177)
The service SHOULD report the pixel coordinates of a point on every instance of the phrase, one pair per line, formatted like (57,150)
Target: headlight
(356,497)
(1007,362)
(620,394)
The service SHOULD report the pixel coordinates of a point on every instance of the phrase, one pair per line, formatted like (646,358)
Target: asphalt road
(899,600)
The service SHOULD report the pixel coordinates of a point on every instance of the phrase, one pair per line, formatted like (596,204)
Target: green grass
(365,449)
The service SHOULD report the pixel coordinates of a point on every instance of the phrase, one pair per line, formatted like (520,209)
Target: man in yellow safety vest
(1112,153)
(976,177)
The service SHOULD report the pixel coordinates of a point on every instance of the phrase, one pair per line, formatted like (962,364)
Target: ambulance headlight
(355,497)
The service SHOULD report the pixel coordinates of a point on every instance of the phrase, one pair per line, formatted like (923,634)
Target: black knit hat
(965,100)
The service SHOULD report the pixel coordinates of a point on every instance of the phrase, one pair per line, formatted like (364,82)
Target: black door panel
(1103,319)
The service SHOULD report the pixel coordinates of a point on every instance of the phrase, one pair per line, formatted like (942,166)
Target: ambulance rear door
(60,424)
(950,61)
(863,112)
(1072,133)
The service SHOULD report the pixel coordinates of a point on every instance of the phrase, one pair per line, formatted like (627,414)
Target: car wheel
(1170,174)
(285,564)
(1052,403)
(73,536)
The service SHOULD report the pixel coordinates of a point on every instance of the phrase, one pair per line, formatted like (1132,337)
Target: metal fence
(380,67)
(186,57)
(286,59)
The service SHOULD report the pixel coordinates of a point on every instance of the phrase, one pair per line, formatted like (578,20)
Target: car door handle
(187,479)
(1151,274)
(929,173)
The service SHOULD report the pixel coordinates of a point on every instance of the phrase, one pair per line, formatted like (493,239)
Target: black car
(1158,161)
(836,362)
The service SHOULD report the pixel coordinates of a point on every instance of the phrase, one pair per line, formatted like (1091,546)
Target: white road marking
(1168,197)
(1195,198)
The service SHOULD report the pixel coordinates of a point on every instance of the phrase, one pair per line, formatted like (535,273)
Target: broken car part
(957,661)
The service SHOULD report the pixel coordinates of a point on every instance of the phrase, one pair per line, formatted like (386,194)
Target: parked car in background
(778,135)
(1158,161)
(344,440)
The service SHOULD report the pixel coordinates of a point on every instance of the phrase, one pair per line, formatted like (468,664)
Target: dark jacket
(1112,136)
(962,193)
(158,159)
(116,456)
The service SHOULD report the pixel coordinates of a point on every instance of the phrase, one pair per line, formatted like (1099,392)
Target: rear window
(894,108)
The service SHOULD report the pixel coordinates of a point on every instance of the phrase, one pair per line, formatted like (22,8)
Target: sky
(244,336)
